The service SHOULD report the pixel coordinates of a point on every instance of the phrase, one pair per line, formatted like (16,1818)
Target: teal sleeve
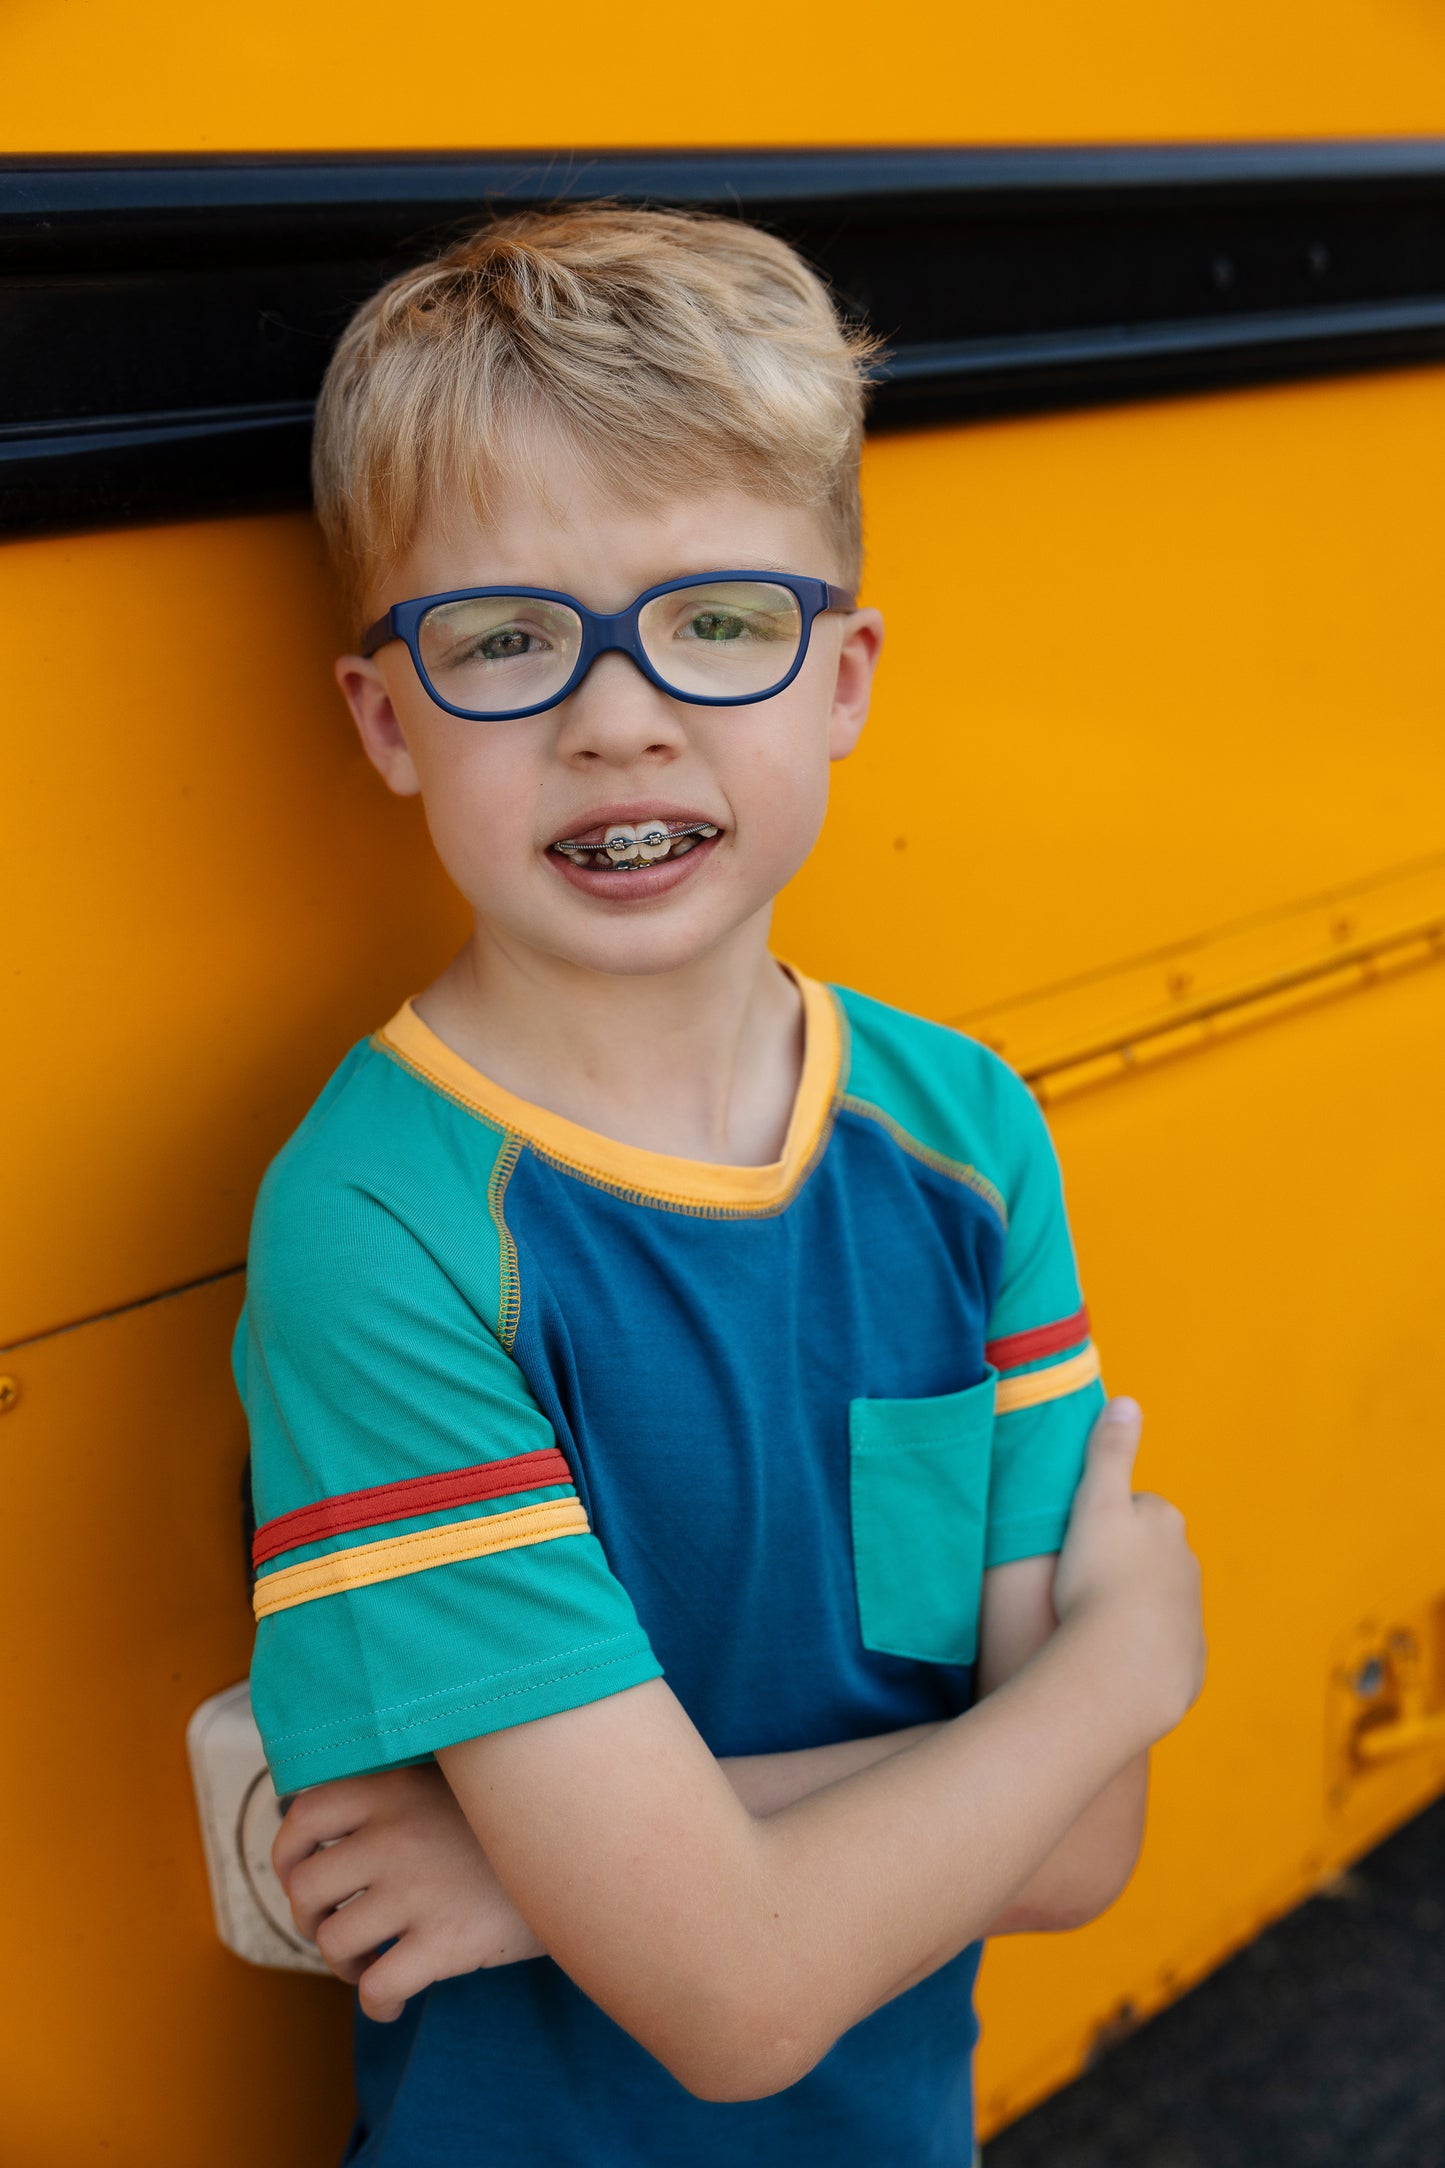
(361,1364)
(1038,1450)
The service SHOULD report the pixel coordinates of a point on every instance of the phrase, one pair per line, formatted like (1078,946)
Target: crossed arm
(1089,1866)
(737,1917)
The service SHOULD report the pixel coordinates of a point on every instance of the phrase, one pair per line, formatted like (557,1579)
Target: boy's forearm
(746,1946)
(1081,1877)
(951,1833)
(766,1783)
(1090,1867)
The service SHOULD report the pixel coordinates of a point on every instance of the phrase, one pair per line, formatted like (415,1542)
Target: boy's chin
(646,943)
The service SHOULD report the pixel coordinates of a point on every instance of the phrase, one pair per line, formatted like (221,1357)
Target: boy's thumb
(1113,1447)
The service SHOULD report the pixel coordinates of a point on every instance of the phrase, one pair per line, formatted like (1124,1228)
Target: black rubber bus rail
(164,323)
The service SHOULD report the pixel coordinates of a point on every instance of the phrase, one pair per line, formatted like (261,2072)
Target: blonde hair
(673,351)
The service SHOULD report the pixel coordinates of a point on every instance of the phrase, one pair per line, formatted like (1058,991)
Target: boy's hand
(391,1859)
(1127,1571)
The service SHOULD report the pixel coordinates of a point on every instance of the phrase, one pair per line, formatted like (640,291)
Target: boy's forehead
(563,529)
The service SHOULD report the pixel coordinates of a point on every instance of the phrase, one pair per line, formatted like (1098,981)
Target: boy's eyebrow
(688,570)
(747,564)
(694,571)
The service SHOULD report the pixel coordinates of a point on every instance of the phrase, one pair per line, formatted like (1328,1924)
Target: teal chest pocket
(918,1493)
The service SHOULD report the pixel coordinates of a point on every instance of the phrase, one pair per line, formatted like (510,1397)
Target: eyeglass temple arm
(376,636)
(840,599)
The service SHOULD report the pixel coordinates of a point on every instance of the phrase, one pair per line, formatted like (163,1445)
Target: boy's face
(499,796)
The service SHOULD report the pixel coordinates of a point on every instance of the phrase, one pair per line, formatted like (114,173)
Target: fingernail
(1125,1410)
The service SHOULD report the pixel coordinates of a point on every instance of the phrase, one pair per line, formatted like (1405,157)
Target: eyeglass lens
(495,654)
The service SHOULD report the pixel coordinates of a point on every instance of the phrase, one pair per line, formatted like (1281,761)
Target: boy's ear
(377,723)
(857,661)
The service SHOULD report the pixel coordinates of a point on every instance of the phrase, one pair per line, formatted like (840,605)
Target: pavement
(1322,2045)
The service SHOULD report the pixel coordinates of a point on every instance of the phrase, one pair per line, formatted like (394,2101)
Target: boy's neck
(700,1063)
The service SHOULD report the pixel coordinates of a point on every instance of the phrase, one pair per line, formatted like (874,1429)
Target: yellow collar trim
(651,1177)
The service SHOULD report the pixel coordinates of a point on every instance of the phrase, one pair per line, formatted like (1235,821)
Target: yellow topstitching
(509,1305)
(957,1170)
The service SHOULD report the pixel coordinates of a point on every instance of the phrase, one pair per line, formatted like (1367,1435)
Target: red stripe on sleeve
(1027,1347)
(397,1501)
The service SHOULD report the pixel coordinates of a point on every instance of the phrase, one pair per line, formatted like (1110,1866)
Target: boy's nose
(617,713)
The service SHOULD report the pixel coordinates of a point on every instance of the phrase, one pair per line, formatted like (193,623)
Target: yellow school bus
(1162,435)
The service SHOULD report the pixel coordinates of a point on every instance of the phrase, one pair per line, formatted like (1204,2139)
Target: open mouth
(627,846)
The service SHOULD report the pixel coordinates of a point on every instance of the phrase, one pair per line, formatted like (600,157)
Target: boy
(668,1378)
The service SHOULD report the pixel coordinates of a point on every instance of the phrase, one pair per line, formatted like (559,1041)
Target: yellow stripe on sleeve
(1036,1386)
(394,1556)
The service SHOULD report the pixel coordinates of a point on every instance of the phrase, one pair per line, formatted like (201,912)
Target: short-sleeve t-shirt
(536,1416)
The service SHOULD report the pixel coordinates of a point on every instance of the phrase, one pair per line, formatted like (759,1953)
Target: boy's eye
(502,645)
(716,625)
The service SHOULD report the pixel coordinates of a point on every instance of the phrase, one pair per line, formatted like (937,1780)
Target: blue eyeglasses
(716,639)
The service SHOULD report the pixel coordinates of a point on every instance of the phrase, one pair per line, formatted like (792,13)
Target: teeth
(628,846)
(621,847)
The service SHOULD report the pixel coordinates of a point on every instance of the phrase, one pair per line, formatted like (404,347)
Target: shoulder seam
(956,1170)
(509,1305)
(509,1298)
